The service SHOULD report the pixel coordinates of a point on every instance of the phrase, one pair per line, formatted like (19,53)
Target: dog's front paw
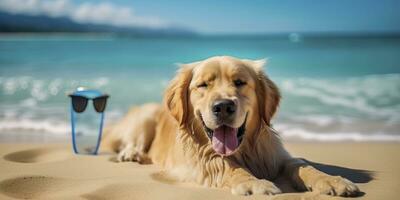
(127,154)
(335,185)
(130,154)
(255,187)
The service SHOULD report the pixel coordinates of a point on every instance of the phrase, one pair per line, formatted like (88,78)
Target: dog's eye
(202,85)
(239,83)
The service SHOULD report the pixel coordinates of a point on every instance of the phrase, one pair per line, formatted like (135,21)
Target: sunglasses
(79,103)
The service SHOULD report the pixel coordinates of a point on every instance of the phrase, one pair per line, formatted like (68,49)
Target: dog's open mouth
(225,139)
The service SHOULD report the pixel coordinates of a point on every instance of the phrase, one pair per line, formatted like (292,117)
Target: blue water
(333,88)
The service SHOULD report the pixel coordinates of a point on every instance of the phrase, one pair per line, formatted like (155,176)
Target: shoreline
(28,136)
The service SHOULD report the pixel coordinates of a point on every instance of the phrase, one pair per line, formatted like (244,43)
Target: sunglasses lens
(79,103)
(100,103)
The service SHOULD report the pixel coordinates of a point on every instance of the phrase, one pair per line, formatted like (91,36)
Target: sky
(226,16)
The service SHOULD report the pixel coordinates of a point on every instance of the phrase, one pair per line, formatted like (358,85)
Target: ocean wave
(30,91)
(290,132)
(298,133)
(53,120)
(377,96)
(347,104)
(320,120)
(46,126)
(51,127)
(371,86)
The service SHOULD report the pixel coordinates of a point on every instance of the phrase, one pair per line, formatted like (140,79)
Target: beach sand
(52,171)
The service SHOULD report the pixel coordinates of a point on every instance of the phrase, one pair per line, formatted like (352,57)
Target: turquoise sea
(334,88)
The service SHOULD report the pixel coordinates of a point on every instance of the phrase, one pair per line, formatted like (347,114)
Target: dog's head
(228,97)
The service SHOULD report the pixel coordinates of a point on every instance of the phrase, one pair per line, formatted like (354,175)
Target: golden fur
(172,135)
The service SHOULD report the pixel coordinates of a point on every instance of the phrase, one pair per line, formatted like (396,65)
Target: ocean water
(333,88)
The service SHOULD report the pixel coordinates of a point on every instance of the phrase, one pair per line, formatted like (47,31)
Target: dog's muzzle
(225,139)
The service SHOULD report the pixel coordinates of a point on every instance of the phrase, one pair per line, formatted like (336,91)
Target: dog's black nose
(224,108)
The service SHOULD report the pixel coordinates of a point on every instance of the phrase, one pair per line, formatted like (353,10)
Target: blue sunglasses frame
(90,94)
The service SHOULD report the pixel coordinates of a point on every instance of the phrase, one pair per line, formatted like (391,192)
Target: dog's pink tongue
(224,140)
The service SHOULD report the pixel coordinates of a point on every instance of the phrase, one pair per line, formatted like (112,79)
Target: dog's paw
(335,186)
(130,154)
(255,187)
(127,154)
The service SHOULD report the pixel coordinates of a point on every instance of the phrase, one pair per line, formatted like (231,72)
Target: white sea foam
(287,132)
(299,133)
(42,89)
(48,126)
(10,86)
(52,127)
(362,94)
(320,120)
(372,86)
(101,82)
(29,102)
(38,91)
(55,86)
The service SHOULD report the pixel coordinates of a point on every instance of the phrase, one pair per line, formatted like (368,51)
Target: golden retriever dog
(214,128)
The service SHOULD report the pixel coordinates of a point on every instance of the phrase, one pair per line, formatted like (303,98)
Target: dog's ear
(176,94)
(267,92)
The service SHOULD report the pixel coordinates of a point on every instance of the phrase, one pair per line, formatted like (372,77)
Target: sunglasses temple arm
(73,119)
(100,133)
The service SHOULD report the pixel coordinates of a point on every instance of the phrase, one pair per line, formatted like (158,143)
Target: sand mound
(28,187)
(39,155)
